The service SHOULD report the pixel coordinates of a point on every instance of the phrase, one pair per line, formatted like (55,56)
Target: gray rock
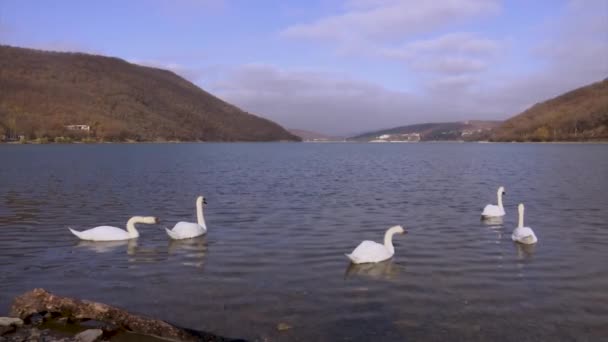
(7,330)
(90,335)
(8,321)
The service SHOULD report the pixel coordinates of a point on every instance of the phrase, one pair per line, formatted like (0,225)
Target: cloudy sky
(341,66)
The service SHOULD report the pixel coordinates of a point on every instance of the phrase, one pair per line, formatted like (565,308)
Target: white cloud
(390,19)
(325,102)
(385,28)
(452,43)
(451,65)
(453,53)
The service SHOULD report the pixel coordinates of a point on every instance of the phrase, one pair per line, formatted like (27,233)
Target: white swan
(370,251)
(186,230)
(523,234)
(108,233)
(492,210)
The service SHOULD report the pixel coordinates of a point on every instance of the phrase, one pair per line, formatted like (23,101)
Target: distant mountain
(42,93)
(465,130)
(312,136)
(581,114)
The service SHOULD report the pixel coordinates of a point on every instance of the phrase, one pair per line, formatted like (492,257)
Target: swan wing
(102,233)
(186,230)
(369,251)
(524,235)
(491,210)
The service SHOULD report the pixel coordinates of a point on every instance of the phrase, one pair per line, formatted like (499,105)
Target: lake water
(280,218)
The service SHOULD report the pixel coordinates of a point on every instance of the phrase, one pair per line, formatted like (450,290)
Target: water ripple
(281,217)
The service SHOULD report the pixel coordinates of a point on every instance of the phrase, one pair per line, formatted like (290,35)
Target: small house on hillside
(78,127)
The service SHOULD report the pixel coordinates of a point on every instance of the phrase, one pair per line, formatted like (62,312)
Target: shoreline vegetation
(100,142)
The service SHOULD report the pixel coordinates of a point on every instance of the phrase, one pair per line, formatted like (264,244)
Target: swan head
(398,230)
(150,220)
(520,207)
(501,190)
(201,200)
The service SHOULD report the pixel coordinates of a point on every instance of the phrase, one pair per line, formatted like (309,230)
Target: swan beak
(404,232)
(504,192)
(204,201)
(156,220)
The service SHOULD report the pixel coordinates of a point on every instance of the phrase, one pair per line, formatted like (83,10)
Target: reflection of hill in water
(19,209)
(386,270)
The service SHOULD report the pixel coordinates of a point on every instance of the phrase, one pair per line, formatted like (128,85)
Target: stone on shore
(10,321)
(90,335)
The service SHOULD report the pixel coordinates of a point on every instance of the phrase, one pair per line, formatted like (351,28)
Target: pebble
(283,326)
(90,335)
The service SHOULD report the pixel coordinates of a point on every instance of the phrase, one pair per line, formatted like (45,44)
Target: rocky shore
(38,315)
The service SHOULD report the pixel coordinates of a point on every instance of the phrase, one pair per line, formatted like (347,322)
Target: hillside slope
(466,130)
(581,114)
(41,92)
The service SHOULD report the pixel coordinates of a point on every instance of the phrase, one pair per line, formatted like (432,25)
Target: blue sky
(340,66)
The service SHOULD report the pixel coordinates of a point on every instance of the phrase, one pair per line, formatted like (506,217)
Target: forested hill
(578,115)
(42,92)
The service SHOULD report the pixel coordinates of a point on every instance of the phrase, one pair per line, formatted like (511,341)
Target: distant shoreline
(138,142)
(313,142)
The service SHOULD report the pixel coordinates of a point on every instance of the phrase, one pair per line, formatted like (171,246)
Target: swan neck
(388,240)
(133,233)
(200,218)
(500,199)
(520,224)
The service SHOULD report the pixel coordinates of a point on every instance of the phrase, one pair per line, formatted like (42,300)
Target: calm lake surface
(282,215)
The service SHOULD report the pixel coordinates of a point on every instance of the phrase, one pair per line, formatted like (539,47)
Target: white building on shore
(78,127)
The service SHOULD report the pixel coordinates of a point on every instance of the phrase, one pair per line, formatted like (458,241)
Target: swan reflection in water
(190,252)
(108,246)
(136,252)
(386,270)
(493,221)
(524,251)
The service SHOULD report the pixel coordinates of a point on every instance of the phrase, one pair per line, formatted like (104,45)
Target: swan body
(492,210)
(523,234)
(373,252)
(109,233)
(187,230)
